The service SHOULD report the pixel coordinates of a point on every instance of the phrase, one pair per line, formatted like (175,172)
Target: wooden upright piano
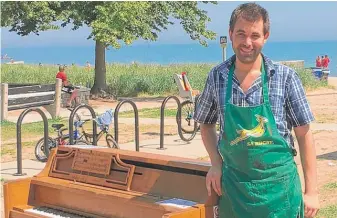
(91,181)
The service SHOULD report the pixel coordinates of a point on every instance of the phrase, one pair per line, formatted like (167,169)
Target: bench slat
(26,100)
(31,89)
(28,105)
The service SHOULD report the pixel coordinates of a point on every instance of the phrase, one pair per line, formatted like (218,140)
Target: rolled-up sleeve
(297,106)
(206,107)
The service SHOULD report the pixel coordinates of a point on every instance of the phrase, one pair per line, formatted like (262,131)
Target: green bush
(128,79)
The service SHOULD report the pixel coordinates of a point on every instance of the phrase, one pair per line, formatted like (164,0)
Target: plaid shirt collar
(269,65)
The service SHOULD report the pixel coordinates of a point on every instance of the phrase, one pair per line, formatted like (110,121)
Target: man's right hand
(213,180)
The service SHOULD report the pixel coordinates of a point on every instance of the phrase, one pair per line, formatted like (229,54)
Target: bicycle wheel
(111,141)
(40,149)
(186,119)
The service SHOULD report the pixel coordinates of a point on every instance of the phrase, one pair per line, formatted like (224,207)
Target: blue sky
(290,21)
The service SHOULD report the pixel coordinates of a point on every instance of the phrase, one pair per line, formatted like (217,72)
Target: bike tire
(187,109)
(111,142)
(39,147)
(191,135)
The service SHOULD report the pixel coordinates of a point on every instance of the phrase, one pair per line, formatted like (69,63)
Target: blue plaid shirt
(286,93)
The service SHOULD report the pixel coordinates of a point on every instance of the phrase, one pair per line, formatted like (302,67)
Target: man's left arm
(300,115)
(308,157)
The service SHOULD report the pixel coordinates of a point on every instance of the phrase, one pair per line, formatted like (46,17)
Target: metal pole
(18,137)
(71,121)
(135,110)
(224,53)
(225,49)
(162,110)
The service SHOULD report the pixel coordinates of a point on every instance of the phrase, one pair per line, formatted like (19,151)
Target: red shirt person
(318,61)
(67,86)
(325,61)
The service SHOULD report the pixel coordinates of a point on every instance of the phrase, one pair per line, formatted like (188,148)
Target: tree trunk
(100,69)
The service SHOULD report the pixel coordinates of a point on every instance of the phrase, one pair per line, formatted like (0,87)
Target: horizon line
(156,43)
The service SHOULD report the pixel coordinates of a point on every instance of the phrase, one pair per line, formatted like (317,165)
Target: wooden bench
(21,96)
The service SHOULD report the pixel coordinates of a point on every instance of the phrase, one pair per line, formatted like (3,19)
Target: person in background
(87,66)
(325,62)
(67,86)
(318,61)
(258,103)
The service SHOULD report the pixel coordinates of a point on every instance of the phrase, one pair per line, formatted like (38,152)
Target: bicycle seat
(57,126)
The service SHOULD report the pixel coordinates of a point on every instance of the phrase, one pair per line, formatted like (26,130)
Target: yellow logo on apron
(256,132)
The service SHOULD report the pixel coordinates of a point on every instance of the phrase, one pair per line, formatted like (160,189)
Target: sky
(290,21)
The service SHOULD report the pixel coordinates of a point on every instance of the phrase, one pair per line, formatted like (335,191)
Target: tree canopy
(112,23)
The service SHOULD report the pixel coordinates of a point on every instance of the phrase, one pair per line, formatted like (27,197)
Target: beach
(333,82)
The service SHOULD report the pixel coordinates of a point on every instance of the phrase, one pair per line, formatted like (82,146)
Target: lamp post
(223,44)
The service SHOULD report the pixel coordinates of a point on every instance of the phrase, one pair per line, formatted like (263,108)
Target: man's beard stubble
(247,59)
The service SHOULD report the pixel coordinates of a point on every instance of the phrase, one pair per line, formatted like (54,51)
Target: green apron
(259,176)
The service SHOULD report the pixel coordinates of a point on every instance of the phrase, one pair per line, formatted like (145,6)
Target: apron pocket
(261,198)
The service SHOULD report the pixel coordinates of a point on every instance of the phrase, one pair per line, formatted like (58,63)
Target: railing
(71,121)
(135,110)
(18,137)
(162,109)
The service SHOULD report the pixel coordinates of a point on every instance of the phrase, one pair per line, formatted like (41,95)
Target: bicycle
(61,139)
(103,121)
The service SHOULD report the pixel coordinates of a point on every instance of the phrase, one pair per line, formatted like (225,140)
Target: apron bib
(259,177)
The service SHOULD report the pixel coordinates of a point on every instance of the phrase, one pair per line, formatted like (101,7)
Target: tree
(112,23)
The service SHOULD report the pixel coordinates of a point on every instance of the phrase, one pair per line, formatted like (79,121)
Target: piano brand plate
(104,182)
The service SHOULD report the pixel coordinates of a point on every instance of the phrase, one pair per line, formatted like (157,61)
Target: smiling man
(258,103)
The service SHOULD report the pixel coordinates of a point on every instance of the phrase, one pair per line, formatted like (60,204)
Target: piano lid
(115,168)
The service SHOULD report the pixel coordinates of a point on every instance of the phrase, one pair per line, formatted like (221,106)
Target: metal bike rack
(18,136)
(71,120)
(162,119)
(135,110)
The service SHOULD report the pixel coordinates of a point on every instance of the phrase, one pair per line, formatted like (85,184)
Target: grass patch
(308,80)
(8,129)
(149,113)
(325,118)
(330,186)
(10,149)
(130,80)
(328,212)
(7,151)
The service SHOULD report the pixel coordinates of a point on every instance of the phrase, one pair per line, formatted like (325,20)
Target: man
(325,62)
(67,86)
(318,61)
(258,102)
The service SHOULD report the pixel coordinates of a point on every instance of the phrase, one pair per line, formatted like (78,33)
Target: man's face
(248,39)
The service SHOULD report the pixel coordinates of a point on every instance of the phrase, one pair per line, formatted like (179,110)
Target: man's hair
(61,68)
(250,12)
